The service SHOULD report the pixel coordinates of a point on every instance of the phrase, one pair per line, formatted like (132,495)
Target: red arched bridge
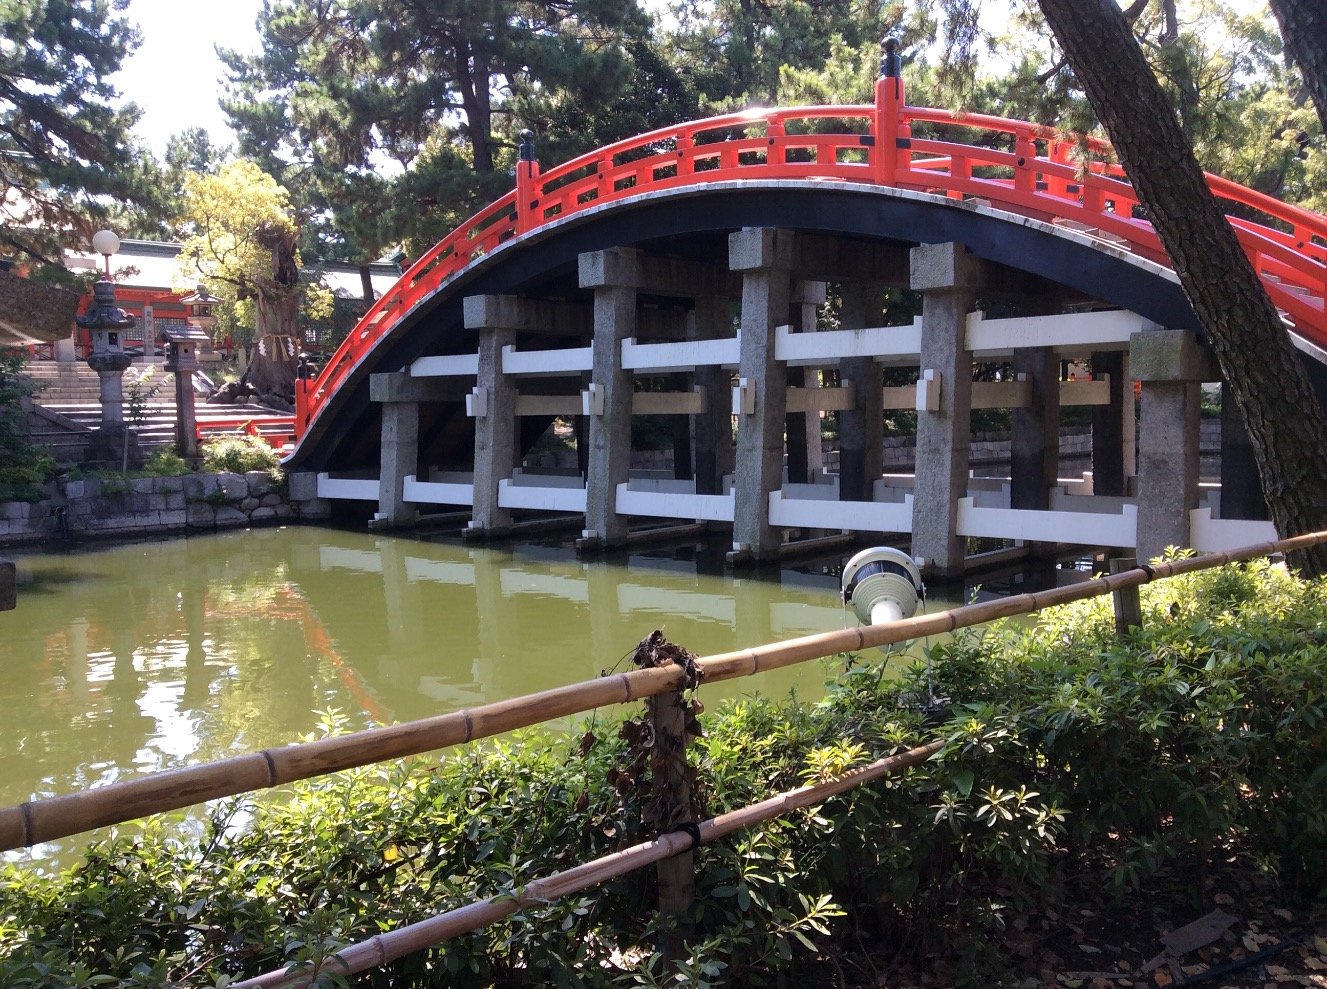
(689,221)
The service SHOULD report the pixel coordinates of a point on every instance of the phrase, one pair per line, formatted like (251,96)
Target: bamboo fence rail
(381,949)
(37,821)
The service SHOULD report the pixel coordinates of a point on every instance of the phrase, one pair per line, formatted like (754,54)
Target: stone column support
(614,275)
(1035,443)
(1171,364)
(764,256)
(1114,427)
(399,457)
(861,429)
(805,457)
(947,276)
(496,317)
(712,442)
(1241,488)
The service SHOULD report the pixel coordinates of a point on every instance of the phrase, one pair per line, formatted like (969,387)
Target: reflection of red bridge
(841,194)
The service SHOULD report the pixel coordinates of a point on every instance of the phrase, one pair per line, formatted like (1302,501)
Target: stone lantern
(182,352)
(107,324)
(201,311)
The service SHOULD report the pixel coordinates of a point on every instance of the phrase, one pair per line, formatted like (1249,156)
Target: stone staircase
(67,407)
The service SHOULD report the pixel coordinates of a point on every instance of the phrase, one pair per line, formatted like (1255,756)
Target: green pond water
(125,660)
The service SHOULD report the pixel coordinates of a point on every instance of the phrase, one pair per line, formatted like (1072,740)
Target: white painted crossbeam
(1073,332)
(1209,535)
(1084,528)
(831,346)
(682,355)
(437,492)
(848,516)
(530,363)
(347,488)
(673,505)
(447,365)
(541,497)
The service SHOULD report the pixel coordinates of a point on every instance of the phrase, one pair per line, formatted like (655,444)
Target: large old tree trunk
(1304,31)
(275,357)
(1269,385)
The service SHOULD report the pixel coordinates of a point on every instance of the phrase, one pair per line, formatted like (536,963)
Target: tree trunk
(1304,31)
(366,283)
(275,356)
(1244,329)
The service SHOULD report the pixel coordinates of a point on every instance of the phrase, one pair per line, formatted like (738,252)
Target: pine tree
(65,154)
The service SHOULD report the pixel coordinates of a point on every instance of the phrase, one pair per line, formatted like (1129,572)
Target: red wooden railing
(1024,168)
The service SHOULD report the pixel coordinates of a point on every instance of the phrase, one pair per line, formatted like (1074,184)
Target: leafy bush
(1073,755)
(23,465)
(165,462)
(240,454)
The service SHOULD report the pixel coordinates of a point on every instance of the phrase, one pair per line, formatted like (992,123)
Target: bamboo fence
(381,949)
(37,821)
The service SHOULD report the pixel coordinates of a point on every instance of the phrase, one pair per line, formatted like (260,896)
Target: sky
(174,75)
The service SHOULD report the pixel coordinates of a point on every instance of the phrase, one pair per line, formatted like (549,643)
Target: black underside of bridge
(696,224)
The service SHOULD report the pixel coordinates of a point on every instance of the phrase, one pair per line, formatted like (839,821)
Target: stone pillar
(497,318)
(805,458)
(398,454)
(614,275)
(712,442)
(1035,443)
(1241,489)
(861,428)
(1171,364)
(947,276)
(765,257)
(1114,436)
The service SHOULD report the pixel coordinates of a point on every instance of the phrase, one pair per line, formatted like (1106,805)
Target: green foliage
(64,144)
(23,466)
(165,462)
(240,454)
(1074,756)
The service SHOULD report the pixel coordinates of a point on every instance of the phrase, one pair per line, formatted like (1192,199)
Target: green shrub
(23,465)
(1074,756)
(165,462)
(240,454)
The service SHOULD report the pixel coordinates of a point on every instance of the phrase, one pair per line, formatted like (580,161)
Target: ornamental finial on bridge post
(891,63)
(527,145)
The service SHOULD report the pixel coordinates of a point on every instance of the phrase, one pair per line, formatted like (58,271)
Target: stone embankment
(146,506)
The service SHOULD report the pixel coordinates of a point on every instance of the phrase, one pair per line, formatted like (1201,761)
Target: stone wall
(148,506)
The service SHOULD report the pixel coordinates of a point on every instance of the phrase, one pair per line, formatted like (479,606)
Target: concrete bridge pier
(1114,427)
(1171,364)
(614,275)
(805,453)
(861,428)
(765,257)
(712,429)
(493,404)
(1034,453)
(948,278)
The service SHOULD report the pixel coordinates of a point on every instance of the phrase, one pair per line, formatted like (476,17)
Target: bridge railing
(1026,168)
(51,818)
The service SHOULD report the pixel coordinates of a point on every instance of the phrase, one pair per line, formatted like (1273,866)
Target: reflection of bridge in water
(681,274)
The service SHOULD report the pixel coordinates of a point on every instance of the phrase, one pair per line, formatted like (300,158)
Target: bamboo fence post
(1128,606)
(671,807)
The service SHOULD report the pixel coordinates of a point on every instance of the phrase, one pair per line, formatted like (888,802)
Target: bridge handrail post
(889,103)
(527,185)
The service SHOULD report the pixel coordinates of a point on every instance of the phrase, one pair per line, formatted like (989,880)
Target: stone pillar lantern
(107,323)
(182,352)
